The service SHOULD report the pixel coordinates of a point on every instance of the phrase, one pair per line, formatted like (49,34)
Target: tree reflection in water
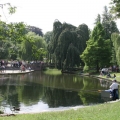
(53,91)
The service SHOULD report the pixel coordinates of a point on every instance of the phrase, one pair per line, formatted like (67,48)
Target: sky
(43,13)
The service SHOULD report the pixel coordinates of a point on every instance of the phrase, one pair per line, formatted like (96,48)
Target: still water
(38,92)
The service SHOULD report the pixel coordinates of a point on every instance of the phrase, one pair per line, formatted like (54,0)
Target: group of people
(2,66)
(105,71)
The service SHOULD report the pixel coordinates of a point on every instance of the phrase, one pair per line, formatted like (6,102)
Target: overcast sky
(42,13)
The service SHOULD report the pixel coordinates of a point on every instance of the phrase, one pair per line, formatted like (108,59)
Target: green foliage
(17,31)
(32,47)
(97,53)
(86,68)
(82,35)
(115,8)
(36,30)
(4,43)
(108,23)
(11,9)
(116,50)
(16,43)
(67,43)
(72,57)
(98,19)
(48,36)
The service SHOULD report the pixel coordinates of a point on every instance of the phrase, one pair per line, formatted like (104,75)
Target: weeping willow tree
(66,39)
(33,47)
(116,44)
(57,29)
(82,36)
(67,43)
(72,57)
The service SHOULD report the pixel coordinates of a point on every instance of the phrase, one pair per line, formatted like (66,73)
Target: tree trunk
(97,66)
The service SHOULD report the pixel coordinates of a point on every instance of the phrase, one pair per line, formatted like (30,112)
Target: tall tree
(16,34)
(66,44)
(35,30)
(97,53)
(66,38)
(33,47)
(116,44)
(48,38)
(83,36)
(98,19)
(115,8)
(109,27)
(108,23)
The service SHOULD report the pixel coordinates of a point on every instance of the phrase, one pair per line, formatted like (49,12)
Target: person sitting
(29,68)
(114,90)
(108,75)
(114,76)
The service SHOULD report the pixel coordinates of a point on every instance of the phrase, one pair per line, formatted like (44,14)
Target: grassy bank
(112,73)
(52,71)
(107,111)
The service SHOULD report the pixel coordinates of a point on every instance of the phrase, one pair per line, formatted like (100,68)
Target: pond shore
(73,108)
(103,76)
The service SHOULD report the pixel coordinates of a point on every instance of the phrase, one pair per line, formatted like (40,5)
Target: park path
(15,72)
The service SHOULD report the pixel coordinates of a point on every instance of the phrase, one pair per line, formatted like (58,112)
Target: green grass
(107,111)
(52,71)
(112,73)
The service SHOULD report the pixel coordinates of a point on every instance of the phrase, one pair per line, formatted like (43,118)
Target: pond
(38,92)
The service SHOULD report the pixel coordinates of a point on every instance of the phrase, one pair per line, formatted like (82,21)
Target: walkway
(15,72)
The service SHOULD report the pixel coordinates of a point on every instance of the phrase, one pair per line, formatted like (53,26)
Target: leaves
(97,53)
(32,47)
(65,38)
(115,8)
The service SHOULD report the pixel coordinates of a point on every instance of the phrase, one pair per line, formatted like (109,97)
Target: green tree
(115,8)
(72,56)
(31,47)
(60,44)
(98,19)
(57,29)
(97,53)
(4,41)
(67,42)
(116,44)
(108,23)
(109,28)
(82,36)
(16,34)
(35,30)
(48,38)
(11,9)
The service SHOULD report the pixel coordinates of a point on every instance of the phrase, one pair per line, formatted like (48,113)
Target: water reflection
(35,92)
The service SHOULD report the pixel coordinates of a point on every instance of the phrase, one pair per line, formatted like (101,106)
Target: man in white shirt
(114,90)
